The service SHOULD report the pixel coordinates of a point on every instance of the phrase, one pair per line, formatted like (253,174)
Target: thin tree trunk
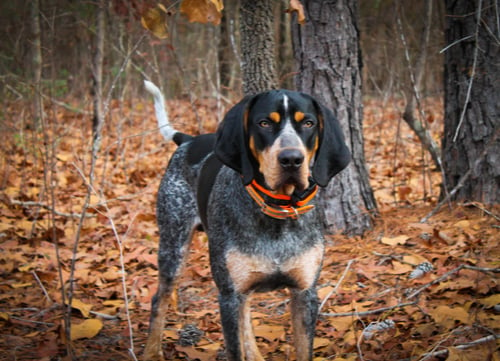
(412,91)
(97,120)
(472,99)
(36,62)
(224,55)
(257,46)
(329,68)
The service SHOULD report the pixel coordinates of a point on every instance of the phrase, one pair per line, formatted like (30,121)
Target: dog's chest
(259,272)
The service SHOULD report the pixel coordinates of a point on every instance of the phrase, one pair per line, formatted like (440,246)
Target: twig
(341,279)
(368,313)
(45,206)
(455,43)
(358,347)
(474,204)
(104,316)
(41,286)
(48,324)
(473,71)
(464,346)
(448,274)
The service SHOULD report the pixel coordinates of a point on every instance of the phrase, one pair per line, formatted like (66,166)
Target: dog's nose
(291,159)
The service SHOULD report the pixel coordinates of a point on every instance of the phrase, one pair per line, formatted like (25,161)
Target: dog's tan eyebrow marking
(275,117)
(298,116)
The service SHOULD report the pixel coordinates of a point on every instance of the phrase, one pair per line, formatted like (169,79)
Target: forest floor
(377,302)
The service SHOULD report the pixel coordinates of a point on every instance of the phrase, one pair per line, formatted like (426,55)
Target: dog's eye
(308,123)
(264,123)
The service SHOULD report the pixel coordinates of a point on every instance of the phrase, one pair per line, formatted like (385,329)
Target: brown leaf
(393,241)
(447,316)
(155,21)
(270,332)
(202,11)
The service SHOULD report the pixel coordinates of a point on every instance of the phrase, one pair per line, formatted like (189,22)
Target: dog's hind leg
(177,218)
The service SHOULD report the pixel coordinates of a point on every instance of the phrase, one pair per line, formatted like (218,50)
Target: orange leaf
(395,240)
(203,11)
(295,5)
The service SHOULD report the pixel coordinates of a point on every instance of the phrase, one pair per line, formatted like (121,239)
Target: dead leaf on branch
(154,20)
(296,6)
(203,11)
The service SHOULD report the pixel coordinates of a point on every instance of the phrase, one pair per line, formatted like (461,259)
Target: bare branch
(370,312)
(45,206)
(341,279)
(464,346)
(473,71)
(448,274)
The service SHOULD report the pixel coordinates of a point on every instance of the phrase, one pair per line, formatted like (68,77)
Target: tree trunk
(36,62)
(97,120)
(257,46)
(329,68)
(224,55)
(413,90)
(472,100)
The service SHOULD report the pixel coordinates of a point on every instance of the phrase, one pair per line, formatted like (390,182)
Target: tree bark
(257,46)
(329,68)
(472,100)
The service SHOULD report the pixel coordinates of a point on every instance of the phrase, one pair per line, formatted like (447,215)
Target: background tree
(257,46)
(329,67)
(471,145)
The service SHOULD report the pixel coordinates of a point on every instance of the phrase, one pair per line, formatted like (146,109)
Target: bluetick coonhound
(251,187)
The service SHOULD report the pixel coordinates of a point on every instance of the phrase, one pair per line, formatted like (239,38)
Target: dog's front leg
(304,315)
(237,327)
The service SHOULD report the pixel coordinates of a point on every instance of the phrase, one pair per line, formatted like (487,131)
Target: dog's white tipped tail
(161,112)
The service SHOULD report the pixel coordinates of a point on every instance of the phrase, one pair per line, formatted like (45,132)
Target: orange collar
(281,206)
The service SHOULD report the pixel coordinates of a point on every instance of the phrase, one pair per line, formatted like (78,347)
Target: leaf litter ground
(371,308)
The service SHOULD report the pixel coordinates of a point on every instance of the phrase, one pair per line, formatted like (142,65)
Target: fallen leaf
(447,316)
(4,316)
(490,301)
(395,240)
(342,323)
(320,342)
(86,329)
(83,307)
(269,332)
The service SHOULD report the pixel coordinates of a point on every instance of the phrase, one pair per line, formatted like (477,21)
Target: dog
(251,187)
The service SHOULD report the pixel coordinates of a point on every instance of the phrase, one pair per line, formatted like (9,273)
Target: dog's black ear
(231,141)
(332,155)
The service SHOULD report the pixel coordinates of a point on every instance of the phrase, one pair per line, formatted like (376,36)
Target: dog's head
(281,138)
